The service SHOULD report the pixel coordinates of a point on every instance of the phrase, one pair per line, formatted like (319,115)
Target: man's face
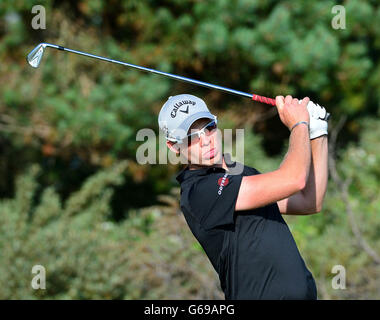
(204,150)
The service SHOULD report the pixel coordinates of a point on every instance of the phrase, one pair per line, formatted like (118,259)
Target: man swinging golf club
(236,215)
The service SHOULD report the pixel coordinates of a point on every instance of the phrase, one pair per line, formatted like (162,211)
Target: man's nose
(205,139)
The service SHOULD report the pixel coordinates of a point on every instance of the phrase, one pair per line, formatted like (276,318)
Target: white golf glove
(318,120)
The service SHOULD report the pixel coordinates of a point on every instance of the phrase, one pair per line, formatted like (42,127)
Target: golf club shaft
(173,76)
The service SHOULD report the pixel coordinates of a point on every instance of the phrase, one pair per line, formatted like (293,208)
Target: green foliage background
(73,198)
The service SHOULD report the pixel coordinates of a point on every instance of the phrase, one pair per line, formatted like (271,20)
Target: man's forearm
(296,163)
(316,185)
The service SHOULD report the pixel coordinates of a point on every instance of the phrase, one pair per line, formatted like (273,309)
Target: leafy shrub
(150,255)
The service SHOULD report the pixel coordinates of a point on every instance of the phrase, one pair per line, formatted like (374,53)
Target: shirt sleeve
(212,199)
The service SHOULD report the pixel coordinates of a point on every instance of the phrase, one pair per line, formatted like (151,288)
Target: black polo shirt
(253,251)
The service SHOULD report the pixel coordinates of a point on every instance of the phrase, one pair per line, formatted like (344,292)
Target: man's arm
(262,189)
(310,199)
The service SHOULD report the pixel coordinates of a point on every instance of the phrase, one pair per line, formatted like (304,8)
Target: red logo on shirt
(222,182)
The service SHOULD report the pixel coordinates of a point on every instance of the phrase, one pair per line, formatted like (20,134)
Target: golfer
(234,211)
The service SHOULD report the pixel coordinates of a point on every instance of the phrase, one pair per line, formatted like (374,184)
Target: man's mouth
(210,154)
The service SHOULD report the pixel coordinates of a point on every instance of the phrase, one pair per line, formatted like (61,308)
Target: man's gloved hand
(318,120)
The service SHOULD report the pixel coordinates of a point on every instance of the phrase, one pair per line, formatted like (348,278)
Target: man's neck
(220,165)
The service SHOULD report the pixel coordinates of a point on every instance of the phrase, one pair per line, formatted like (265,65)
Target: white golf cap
(179,113)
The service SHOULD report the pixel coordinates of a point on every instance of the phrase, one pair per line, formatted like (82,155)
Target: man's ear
(172,146)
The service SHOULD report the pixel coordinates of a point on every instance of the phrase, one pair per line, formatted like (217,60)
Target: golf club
(35,56)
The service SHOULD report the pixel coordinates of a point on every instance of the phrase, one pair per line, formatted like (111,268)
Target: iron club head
(35,56)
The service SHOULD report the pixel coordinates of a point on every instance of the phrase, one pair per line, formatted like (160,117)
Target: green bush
(150,255)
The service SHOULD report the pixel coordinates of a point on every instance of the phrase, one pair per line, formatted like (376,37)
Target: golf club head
(35,56)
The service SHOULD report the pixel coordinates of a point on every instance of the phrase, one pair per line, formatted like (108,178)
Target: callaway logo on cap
(179,113)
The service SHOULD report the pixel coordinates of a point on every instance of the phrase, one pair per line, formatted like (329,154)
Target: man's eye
(211,127)
(193,138)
